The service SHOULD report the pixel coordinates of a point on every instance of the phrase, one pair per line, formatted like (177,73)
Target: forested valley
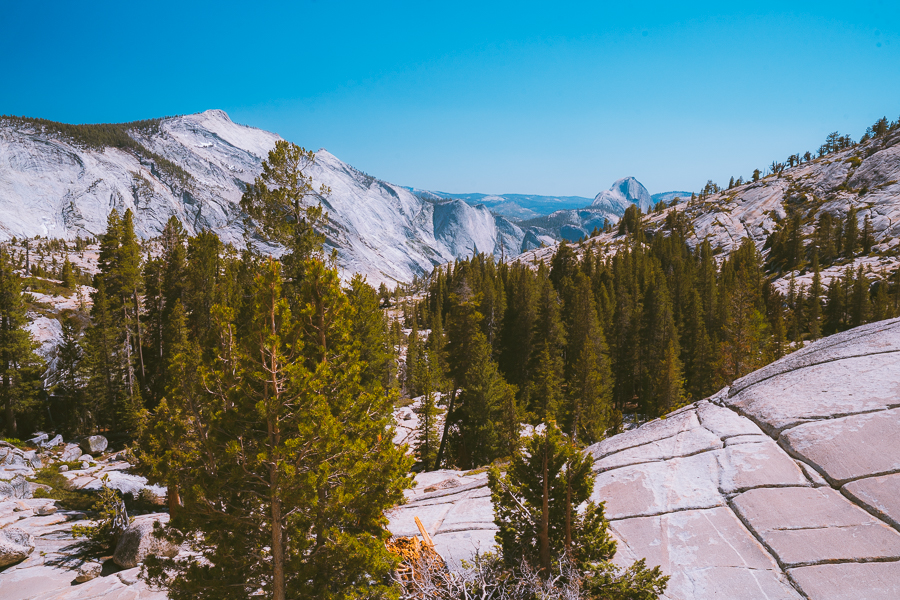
(261,392)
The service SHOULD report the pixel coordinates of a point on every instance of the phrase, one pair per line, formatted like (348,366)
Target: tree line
(644,327)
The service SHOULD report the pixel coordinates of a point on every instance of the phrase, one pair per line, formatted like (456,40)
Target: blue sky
(495,97)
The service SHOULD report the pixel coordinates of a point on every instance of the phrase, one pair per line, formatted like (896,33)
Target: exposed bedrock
(786,485)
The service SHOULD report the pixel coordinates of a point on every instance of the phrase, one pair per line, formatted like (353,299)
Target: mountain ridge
(196,167)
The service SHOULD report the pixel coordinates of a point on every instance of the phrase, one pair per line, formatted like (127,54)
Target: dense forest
(643,325)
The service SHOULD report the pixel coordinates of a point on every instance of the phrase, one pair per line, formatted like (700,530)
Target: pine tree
(814,308)
(589,413)
(535,505)
(486,417)
(427,433)
(369,331)
(868,237)
(20,367)
(67,275)
(860,305)
(278,202)
(545,388)
(66,381)
(410,382)
(851,234)
(295,462)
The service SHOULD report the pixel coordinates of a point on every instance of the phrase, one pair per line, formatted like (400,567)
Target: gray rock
(879,495)
(33,459)
(56,441)
(88,571)
(872,581)
(47,509)
(15,546)
(130,576)
(6,490)
(809,526)
(95,444)
(39,438)
(71,452)
(63,468)
(851,447)
(138,542)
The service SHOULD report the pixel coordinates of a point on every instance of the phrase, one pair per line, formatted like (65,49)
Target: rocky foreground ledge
(785,485)
(39,558)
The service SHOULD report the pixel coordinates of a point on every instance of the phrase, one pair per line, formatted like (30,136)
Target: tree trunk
(173,498)
(569,511)
(440,454)
(128,369)
(140,344)
(10,418)
(544,533)
(278,592)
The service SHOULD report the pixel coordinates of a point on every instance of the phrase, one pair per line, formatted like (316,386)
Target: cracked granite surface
(786,485)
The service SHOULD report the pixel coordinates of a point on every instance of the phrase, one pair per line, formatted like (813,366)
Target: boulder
(88,571)
(94,444)
(39,438)
(45,510)
(15,546)
(71,452)
(56,441)
(138,542)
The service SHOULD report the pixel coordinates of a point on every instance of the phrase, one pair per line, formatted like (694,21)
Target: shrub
(112,520)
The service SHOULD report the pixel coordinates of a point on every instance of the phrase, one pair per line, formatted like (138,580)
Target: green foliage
(20,366)
(282,459)
(111,135)
(111,520)
(69,499)
(277,200)
(535,504)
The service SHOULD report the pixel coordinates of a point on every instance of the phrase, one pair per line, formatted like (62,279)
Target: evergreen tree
(427,433)
(589,413)
(65,378)
(413,351)
(814,309)
(535,505)
(835,307)
(295,462)
(67,275)
(851,233)
(868,237)
(279,203)
(20,367)
(860,310)
(545,388)
(369,332)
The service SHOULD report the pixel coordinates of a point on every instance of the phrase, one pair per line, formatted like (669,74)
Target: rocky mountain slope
(785,485)
(607,207)
(196,167)
(865,177)
(512,206)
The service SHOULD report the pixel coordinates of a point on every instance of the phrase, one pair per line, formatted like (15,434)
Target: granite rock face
(15,546)
(785,485)
(138,542)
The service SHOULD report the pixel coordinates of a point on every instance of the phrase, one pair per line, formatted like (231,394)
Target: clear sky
(496,97)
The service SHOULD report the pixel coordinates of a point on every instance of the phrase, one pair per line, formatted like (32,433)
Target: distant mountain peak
(627,190)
